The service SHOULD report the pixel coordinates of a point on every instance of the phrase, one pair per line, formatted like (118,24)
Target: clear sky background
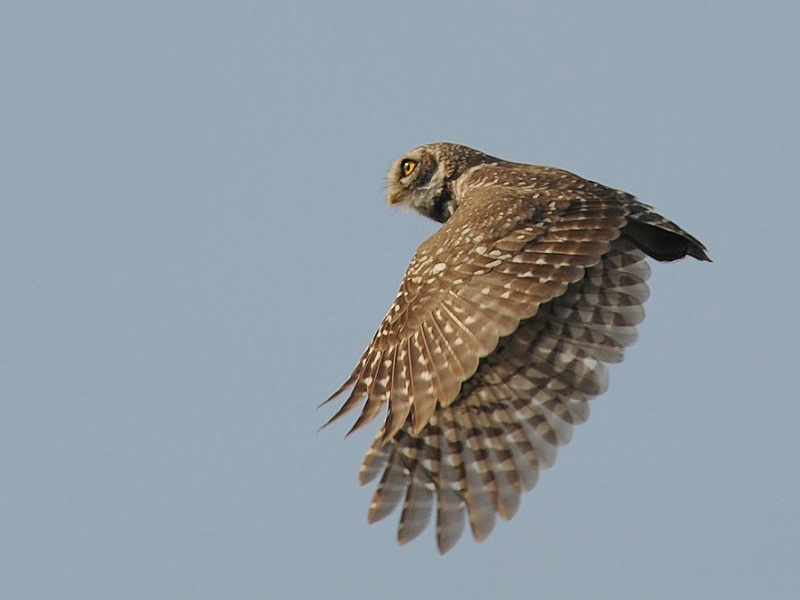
(195,248)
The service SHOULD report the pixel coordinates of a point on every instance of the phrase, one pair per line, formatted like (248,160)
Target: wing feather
(476,456)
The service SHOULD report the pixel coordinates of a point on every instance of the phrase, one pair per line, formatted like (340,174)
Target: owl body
(500,332)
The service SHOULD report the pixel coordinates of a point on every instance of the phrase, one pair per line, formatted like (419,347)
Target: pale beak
(393,199)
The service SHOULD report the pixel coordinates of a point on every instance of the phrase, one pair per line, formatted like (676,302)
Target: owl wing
(477,455)
(493,264)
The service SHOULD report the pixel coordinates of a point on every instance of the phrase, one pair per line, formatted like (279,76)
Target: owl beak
(393,199)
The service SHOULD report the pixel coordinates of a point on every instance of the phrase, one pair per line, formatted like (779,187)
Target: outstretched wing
(477,454)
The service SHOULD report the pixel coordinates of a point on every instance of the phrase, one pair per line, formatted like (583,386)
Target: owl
(501,333)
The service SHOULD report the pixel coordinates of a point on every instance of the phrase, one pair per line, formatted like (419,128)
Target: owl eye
(407,166)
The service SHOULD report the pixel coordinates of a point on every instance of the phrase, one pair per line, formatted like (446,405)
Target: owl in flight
(500,333)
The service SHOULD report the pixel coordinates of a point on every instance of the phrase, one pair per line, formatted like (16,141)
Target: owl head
(423,178)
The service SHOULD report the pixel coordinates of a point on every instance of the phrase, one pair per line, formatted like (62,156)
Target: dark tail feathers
(664,244)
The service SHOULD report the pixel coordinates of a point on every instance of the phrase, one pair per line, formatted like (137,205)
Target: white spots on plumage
(528,275)
(518,382)
(438,268)
(590,364)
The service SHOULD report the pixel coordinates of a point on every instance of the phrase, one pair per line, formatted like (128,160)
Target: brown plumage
(500,332)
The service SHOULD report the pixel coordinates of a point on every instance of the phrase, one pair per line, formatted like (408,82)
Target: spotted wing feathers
(474,457)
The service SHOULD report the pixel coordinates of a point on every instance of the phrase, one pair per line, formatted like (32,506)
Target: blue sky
(195,248)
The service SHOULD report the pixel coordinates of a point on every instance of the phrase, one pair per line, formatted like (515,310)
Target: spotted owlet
(500,333)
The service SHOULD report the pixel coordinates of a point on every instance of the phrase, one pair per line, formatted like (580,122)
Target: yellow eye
(408,166)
